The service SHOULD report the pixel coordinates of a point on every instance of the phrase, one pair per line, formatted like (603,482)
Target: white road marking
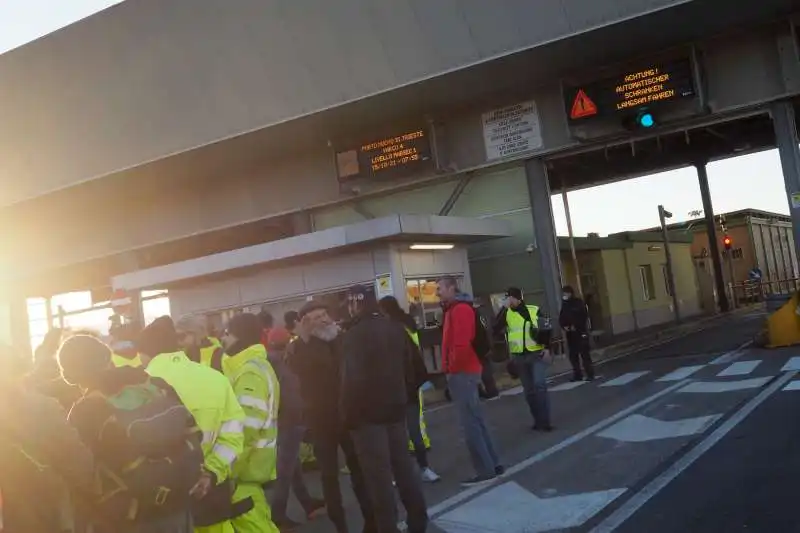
(510,508)
(791,365)
(742,368)
(681,373)
(466,494)
(731,356)
(639,428)
(621,515)
(794,385)
(624,379)
(569,385)
(712,387)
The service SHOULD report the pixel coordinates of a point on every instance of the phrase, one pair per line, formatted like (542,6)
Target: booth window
(423,303)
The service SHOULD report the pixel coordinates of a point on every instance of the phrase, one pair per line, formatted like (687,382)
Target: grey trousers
(383,454)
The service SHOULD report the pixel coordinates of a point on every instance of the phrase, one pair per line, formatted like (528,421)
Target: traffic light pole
(711,231)
(662,217)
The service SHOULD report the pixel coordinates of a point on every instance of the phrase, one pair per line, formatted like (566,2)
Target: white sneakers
(429,476)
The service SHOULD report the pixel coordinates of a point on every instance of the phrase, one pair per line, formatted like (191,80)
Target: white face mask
(565,297)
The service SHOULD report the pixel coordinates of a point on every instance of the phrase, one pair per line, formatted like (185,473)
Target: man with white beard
(315,357)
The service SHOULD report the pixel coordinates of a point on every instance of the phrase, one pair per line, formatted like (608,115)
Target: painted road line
(794,385)
(569,385)
(621,515)
(791,365)
(713,387)
(624,379)
(731,356)
(510,508)
(681,373)
(639,428)
(742,368)
(466,494)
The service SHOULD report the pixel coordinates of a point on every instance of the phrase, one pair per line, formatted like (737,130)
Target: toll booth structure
(399,255)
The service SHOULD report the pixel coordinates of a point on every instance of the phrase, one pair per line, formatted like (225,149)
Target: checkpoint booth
(399,255)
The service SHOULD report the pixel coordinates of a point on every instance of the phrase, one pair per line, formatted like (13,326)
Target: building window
(423,303)
(648,286)
(737,253)
(667,287)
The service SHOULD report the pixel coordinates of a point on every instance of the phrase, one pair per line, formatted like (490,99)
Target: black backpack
(161,456)
(481,343)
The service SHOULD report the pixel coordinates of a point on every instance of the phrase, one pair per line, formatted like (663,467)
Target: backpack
(481,343)
(161,456)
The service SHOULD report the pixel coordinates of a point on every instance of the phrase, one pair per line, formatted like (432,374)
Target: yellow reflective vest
(212,347)
(208,395)
(120,361)
(518,332)
(258,392)
(422,426)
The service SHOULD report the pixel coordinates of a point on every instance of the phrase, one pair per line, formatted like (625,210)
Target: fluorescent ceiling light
(432,246)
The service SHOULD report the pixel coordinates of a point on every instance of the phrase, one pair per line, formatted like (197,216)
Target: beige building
(624,279)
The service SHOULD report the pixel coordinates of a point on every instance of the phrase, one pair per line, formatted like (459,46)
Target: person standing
(528,333)
(197,344)
(382,367)
(463,369)
(290,435)
(574,320)
(258,392)
(315,357)
(390,308)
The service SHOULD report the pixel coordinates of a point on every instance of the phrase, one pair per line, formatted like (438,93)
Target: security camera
(530,248)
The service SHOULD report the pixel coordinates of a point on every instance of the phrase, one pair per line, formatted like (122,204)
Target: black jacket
(379,372)
(317,365)
(41,457)
(574,315)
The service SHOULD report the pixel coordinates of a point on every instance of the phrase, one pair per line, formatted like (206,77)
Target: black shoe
(477,480)
(590,378)
(499,470)
(286,525)
(548,428)
(576,379)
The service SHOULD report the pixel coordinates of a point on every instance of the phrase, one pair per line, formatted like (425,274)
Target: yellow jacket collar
(235,362)
(167,358)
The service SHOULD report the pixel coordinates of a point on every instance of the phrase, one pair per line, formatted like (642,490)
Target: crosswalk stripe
(569,385)
(792,364)
(624,379)
(792,385)
(681,373)
(742,368)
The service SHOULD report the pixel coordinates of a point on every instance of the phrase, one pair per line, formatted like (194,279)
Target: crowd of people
(169,429)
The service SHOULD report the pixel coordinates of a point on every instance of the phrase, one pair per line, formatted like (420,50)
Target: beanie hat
(83,359)
(159,337)
(278,338)
(308,307)
(514,292)
(246,327)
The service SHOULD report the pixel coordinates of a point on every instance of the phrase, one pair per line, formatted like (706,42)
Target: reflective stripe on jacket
(422,426)
(258,392)
(210,398)
(519,331)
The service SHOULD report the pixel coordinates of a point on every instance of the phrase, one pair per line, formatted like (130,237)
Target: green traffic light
(646,120)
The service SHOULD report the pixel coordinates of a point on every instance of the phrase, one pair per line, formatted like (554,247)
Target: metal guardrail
(750,292)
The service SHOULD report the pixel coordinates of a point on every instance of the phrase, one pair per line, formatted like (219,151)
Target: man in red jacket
(463,369)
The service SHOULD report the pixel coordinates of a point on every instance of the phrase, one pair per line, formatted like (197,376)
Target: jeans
(383,454)
(578,345)
(464,391)
(415,435)
(290,472)
(327,441)
(532,372)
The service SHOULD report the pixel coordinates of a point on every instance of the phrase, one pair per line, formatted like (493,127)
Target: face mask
(566,297)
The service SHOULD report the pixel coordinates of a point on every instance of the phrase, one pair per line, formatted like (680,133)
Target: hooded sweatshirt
(458,355)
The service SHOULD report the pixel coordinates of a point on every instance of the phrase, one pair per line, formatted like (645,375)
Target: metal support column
(545,234)
(783,120)
(571,236)
(713,242)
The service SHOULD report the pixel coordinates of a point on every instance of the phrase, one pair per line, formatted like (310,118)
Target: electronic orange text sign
(390,156)
(649,85)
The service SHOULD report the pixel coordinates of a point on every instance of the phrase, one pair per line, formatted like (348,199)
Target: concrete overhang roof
(403,228)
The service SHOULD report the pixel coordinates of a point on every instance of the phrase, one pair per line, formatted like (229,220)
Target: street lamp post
(663,215)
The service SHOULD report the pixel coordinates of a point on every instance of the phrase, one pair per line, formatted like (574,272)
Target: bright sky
(750,181)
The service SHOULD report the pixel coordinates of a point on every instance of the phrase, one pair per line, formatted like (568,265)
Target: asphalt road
(618,458)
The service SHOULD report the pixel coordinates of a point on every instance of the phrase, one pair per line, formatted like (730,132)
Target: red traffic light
(727,241)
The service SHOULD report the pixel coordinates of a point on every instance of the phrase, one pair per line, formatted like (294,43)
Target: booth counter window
(423,302)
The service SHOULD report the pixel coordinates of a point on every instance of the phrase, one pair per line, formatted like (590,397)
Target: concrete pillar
(713,241)
(544,231)
(783,121)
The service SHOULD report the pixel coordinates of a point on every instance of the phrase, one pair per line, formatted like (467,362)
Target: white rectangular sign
(511,130)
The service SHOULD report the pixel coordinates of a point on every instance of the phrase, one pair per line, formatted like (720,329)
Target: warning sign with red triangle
(583,106)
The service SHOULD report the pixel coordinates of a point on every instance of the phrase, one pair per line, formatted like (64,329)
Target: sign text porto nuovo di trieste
(649,85)
(391,157)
